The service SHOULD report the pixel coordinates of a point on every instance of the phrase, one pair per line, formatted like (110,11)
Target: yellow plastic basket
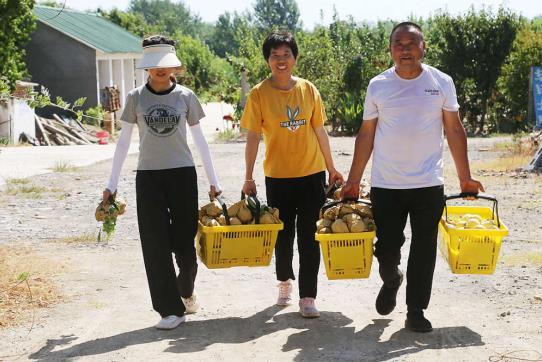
(471,251)
(236,245)
(347,255)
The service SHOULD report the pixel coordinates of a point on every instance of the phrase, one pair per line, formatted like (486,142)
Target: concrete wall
(16,117)
(63,65)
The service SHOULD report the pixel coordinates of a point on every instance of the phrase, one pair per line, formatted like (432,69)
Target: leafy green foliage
(16,24)
(277,14)
(510,110)
(223,40)
(168,16)
(133,22)
(205,74)
(472,48)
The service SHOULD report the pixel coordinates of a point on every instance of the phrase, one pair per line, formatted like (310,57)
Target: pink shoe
(285,293)
(307,308)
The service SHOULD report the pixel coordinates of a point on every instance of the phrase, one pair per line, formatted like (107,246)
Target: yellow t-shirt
(286,119)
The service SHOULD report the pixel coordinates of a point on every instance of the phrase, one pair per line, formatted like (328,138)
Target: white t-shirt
(161,119)
(408,143)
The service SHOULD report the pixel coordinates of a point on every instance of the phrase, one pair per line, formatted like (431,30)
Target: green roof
(90,29)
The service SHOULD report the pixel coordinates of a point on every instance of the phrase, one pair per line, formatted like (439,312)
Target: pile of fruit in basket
(107,213)
(240,213)
(346,217)
(470,221)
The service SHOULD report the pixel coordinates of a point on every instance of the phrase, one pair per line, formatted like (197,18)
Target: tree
(52,3)
(273,14)
(135,23)
(169,16)
(16,25)
(472,49)
(223,40)
(512,96)
(204,71)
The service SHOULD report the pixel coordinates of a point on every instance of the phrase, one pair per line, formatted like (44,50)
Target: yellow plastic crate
(471,251)
(347,255)
(236,245)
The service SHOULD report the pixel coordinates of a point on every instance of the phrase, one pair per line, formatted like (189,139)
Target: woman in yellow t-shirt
(290,114)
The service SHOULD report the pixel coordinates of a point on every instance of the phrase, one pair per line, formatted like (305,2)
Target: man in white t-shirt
(406,109)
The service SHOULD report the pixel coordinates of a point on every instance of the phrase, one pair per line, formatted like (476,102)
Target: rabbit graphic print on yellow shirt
(287,119)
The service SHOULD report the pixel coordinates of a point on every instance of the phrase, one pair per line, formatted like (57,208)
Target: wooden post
(40,127)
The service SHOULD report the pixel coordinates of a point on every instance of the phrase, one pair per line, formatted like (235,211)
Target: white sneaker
(285,293)
(170,322)
(191,304)
(307,308)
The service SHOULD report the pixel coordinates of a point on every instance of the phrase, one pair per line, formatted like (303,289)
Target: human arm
(335,176)
(203,150)
(251,151)
(457,141)
(121,151)
(362,152)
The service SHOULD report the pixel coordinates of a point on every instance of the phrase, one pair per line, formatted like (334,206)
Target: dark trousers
(391,208)
(298,198)
(167,214)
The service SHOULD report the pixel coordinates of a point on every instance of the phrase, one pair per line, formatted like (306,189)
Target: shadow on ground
(326,338)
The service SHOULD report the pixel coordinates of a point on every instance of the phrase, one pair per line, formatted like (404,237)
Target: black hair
(275,40)
(157,39)
(406,25)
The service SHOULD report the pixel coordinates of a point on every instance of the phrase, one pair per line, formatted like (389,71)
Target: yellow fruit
(234,209)
(212,222)
(205,219)
(212,209)
(364,210)
(244,213)
(358,226)
(332,213)
(325,230)
(267,218)
(323,223)
(345,210)
(339,226)
(472,223)
(235,221)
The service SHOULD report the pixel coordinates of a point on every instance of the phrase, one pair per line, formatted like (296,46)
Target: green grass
(17,181)
(63,166)
(230,135)
(29,191)
(86,238)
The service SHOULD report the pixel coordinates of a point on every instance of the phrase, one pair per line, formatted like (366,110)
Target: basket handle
(476,196)
(222,203)
(254,198)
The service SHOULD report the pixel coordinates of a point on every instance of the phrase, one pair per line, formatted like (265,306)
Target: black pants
(391,208)
(301,198)
(167,214)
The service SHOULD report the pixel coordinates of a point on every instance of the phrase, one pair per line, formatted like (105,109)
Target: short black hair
(157,39)
(404,25)
(275,40)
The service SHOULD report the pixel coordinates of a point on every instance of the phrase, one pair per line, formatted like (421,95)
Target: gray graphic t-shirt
(161,120)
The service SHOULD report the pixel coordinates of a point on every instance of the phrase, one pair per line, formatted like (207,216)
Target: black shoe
(386,299)
(416,322)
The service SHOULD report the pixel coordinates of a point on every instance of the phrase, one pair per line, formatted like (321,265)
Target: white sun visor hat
(159,56)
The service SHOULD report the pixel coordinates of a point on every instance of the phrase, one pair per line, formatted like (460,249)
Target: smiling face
(281,61)
(407,48)
(161,75)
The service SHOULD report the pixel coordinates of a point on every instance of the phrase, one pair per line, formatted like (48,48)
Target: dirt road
(106,312)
